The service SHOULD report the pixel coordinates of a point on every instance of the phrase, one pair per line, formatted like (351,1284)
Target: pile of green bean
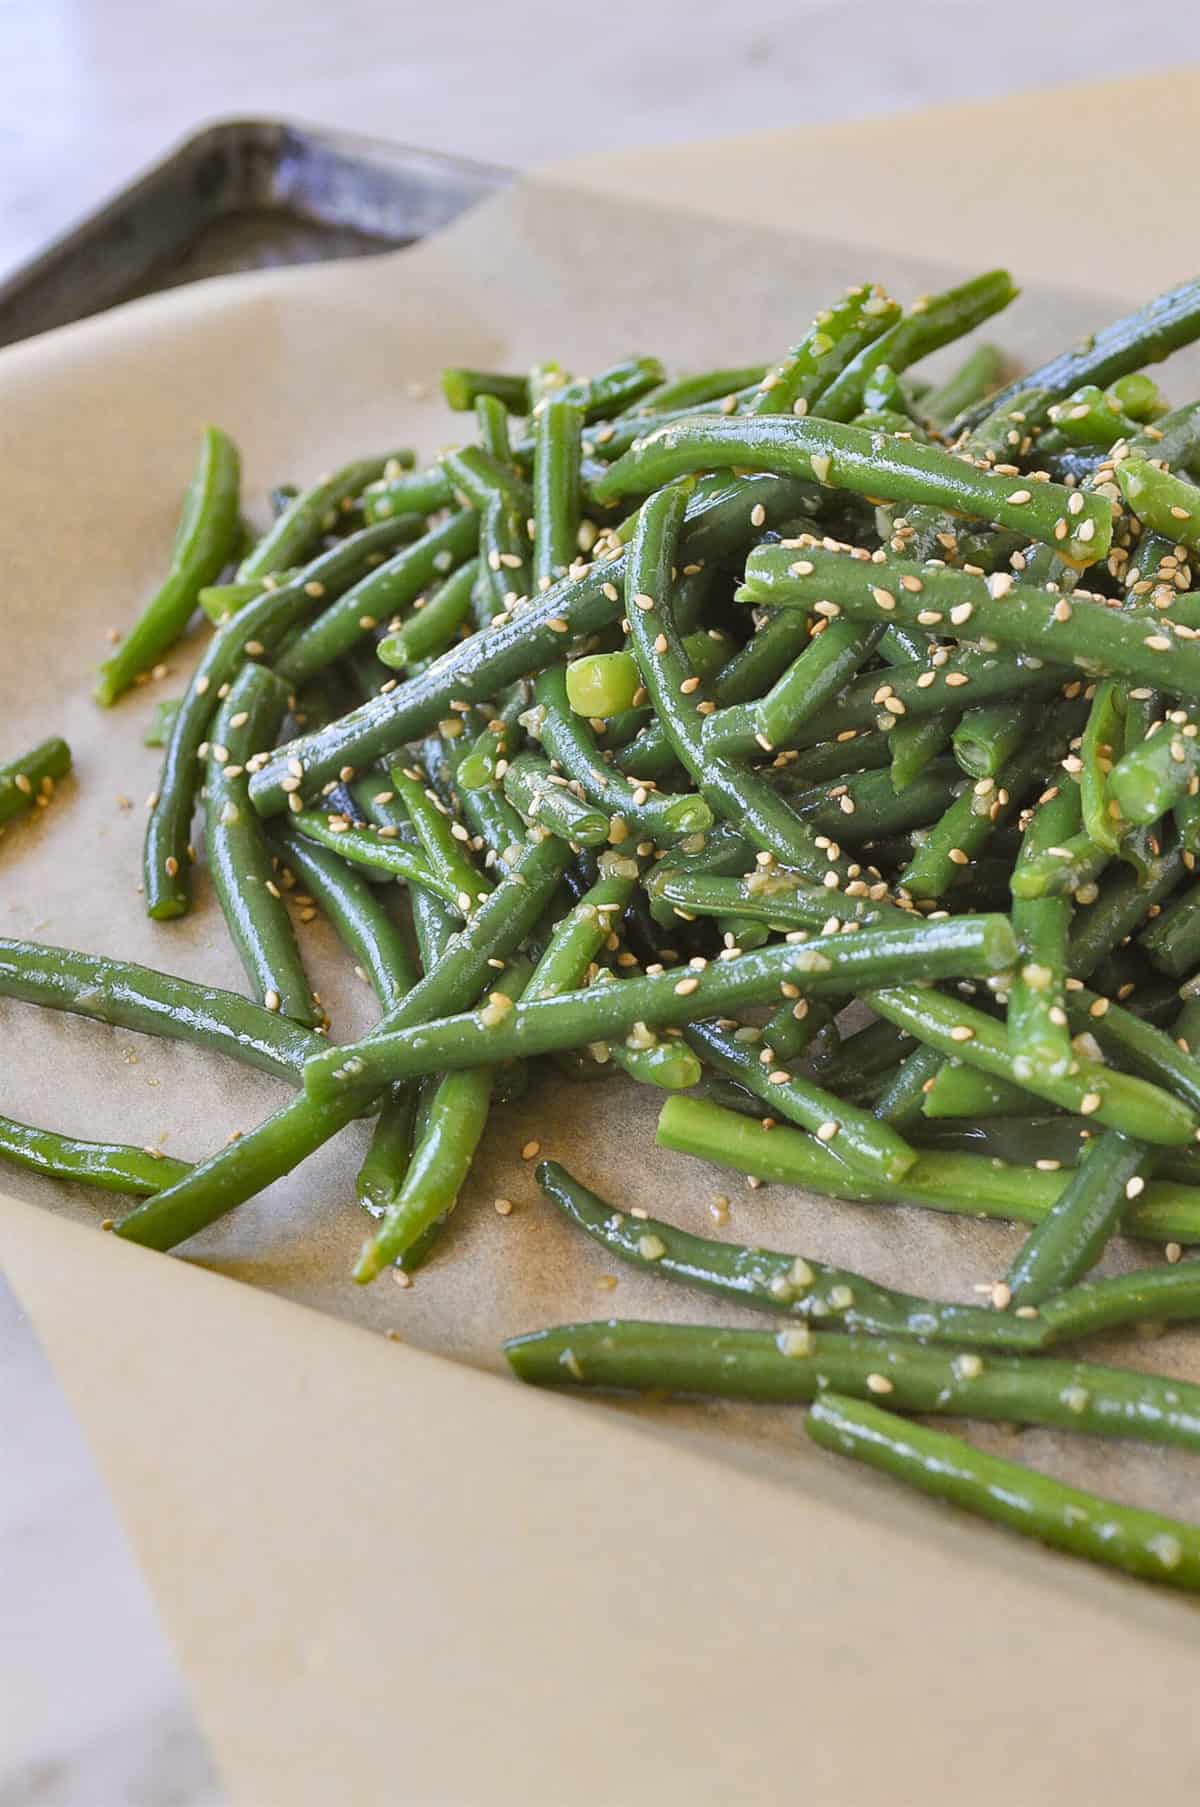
(648,728)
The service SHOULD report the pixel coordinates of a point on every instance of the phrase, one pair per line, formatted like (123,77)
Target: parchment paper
(363,1551)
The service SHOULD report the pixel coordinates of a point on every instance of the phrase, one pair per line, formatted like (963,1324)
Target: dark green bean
(27,781)
(204,542)
(154,1003)
(295,535)
(1121,1537)
(239,860)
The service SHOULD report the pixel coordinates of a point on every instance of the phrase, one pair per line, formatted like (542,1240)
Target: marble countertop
(92,1713)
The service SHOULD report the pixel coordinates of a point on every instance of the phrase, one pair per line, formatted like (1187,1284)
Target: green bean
(874,464)
(1037,1018)
(958,1091)
(159,731)
(1169,504)
(1122,1537)
(1117,1100)
(366,848)
(903,1097)
(1124,903)
(967,1184)
(543,797)
(29,780)
(1135,1044)
(966,676)
(434,622)
(153,1003)
(603,685)
(1055,871)
(1128,644)
(976,377)
(782,900)
(914,745)
(836,1298)
(935,321)
(239,860)
(813,680)
(369,932)
(252,634)
(833,1297)
(441,1159)
(742,796)
(219,601)
(837,336)
(204,542)
(1073,1237)
(986,738)
(798,1364)
(491,417)
(499,741)
(699,391)
(483,665)
(313,512)
(1139,396)
(968,824)
(392,586)
(963,947)
(1160,771)
(444,850)
(384,1167)
(413,492)
(462,388)
(1090,416)
(1144,337)
(1172,939)
(110,1166)
(558,427)
(1099,751)
(662,816)
(612,390)
(279,1144)
(861,1140)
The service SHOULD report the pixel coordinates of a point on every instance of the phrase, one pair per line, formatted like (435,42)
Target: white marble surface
(91,1711)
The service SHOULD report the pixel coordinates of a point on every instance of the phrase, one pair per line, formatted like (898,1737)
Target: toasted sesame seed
(1001,1295)
(1090,1103)
(685,987)
(879,1383)
(1019,497)
(962,1032)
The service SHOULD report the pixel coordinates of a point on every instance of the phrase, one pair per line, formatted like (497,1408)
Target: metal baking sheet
(241,195)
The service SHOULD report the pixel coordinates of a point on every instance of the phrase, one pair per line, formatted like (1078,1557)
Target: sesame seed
(1020,496)
(685,987)
(758,515)
(1001,1295)
(643,602)
(825,1132)
(962,1032)
(1090,1103)
(502,1207)
(883,598)
(879,1383)
(1173,1252)
(530,1151)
